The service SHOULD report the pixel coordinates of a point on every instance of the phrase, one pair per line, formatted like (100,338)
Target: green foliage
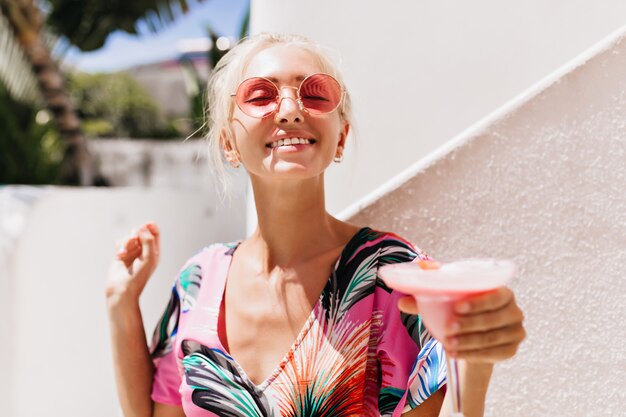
(88,23)
(115,105)
(30,153)
(197,94)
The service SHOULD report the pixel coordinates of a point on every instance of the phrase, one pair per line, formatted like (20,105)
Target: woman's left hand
(485,328)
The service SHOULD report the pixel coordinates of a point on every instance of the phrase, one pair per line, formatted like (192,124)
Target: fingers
(128,250)
(145,264)
(149,245)
(154,229)
(142,244)
(486,340)
(490,301)
(486,328)
(506,316)
(489,355)
(408,305)
(136,259)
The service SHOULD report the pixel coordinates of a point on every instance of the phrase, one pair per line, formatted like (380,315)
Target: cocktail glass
(436,289)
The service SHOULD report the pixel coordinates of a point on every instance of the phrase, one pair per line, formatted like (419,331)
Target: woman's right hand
(136,259)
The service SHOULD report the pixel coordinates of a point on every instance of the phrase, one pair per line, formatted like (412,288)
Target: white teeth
(290,141)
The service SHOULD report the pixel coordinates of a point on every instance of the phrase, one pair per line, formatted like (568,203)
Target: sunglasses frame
(298,99)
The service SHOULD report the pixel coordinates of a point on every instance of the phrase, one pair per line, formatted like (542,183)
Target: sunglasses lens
(320,93)
(257,97)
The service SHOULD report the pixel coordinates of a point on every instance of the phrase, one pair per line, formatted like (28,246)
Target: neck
(293,224)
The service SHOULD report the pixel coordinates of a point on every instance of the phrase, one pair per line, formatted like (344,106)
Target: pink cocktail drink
(437,289)
(436,311)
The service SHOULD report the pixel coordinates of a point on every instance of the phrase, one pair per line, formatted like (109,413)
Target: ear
(230,152)
(224,141)
(343,134)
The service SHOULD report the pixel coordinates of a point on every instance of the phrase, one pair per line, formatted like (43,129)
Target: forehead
(283,63)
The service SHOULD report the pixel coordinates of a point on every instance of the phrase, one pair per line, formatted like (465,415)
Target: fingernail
(454,327)
(453,342)
(463,308)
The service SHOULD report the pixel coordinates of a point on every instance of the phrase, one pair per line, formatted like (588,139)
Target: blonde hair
(229,72)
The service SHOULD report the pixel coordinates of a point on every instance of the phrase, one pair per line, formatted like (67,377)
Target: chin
(293,171)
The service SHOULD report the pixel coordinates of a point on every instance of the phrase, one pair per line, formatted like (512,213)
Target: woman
(292,321)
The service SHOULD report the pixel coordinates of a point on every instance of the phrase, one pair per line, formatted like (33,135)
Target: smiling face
(291,142)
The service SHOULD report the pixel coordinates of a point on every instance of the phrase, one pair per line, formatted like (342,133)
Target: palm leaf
(87,24)
(324,374)
(218,385)
(430,372)
(15,71)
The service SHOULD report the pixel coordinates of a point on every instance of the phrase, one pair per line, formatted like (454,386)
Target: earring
(233,160)
(339,156)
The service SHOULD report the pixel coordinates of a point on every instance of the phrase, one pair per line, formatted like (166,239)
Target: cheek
(248,135)
(337,130)
(241,130)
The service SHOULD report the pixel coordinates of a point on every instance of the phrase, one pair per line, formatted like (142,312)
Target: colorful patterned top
(357,355)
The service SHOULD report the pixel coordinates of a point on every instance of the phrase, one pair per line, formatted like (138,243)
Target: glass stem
(455,388)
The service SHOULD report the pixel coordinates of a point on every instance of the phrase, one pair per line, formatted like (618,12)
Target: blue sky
(123,50)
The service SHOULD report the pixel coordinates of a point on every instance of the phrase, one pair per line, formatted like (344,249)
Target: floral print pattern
(357,355)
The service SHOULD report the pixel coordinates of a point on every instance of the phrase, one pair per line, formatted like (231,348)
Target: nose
(289,110)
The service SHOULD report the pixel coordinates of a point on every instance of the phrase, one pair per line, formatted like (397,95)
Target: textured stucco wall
(545,186)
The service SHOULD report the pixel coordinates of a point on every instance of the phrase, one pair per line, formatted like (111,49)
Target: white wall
(59,358)
(422,71)
(15,205)
(541,182)
(180,164)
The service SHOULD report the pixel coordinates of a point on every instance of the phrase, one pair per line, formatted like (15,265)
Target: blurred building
(176,164)
(171,82)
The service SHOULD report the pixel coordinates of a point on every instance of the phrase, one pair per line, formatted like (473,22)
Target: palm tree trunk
(25,18)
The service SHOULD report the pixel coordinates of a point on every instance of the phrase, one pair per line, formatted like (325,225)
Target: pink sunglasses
(317,94)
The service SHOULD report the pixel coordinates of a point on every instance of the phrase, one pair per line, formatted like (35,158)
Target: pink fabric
(356,355)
